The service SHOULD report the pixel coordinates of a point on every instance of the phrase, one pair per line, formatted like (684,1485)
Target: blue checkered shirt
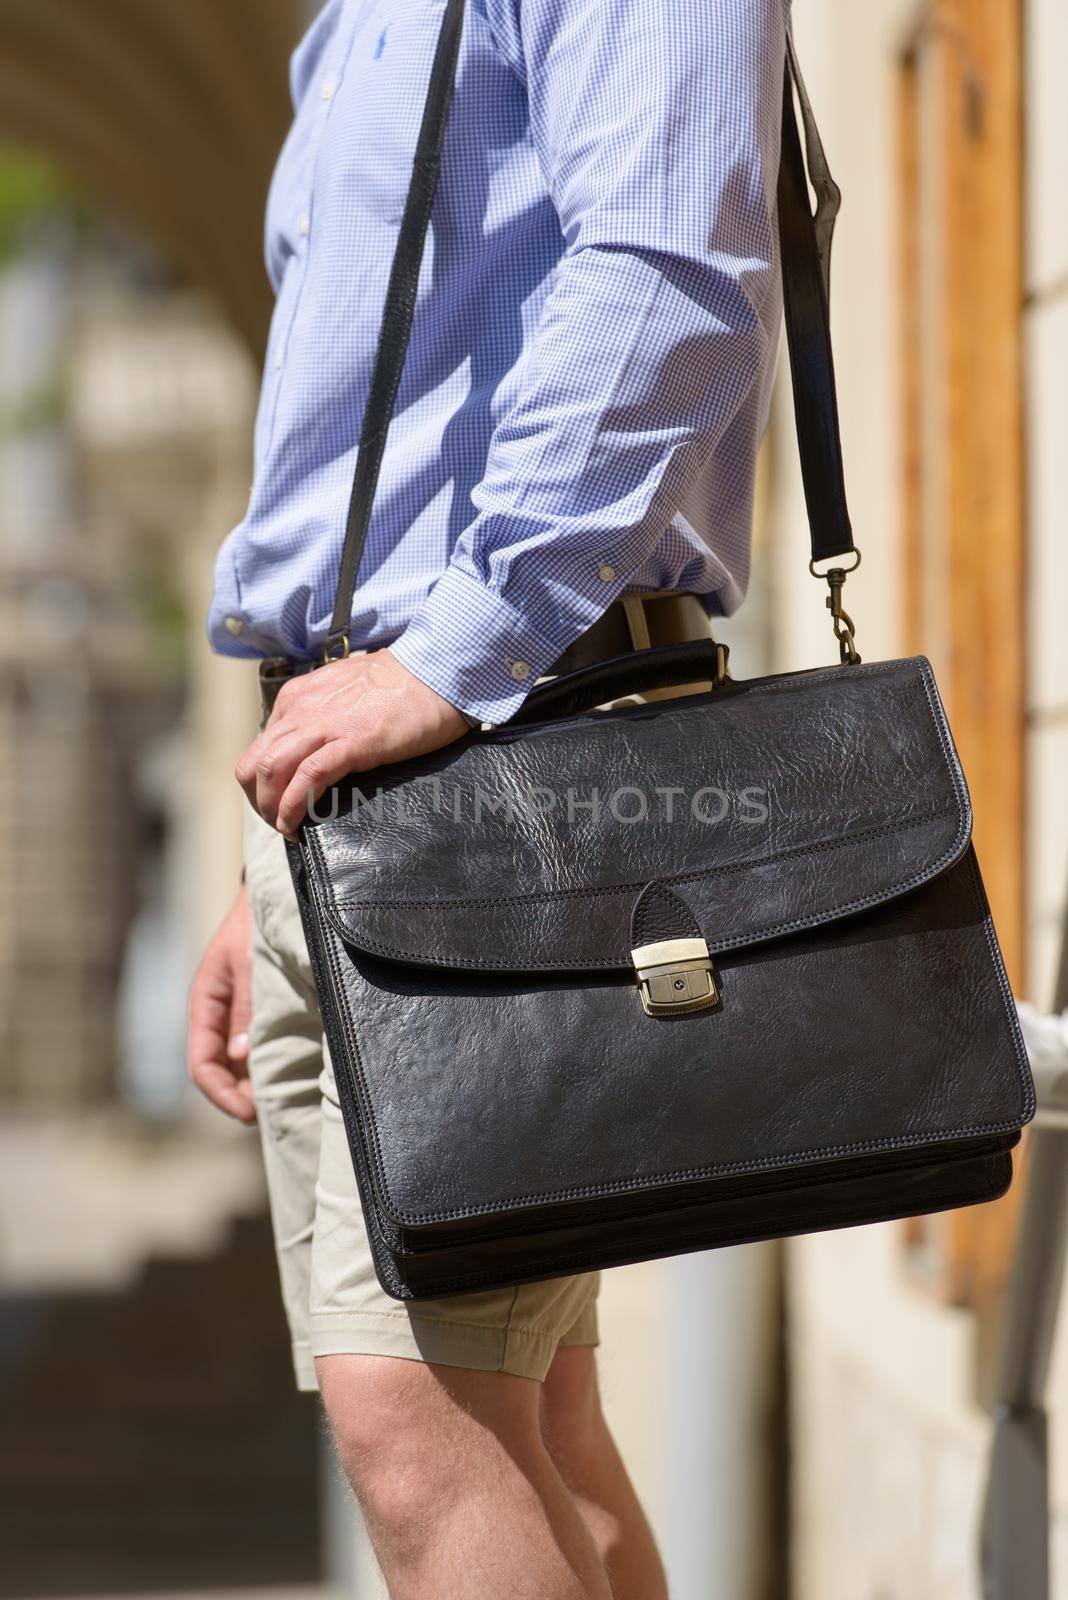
(591,357)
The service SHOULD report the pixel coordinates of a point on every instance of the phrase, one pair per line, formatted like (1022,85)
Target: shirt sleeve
(656,125)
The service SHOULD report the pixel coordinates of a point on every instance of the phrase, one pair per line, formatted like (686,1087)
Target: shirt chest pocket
(366,157)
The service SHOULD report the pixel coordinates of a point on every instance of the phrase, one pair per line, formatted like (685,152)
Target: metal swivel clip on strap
(675,977)
(844,627)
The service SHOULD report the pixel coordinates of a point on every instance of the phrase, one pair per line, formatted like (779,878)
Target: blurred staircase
(150,1435)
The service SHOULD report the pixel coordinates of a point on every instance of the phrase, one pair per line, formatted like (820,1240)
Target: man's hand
(349,716)
(220,1010)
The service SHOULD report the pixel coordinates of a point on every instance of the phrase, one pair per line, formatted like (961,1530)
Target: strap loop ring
(336,648)
(836,568)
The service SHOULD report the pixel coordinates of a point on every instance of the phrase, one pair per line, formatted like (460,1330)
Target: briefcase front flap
(769,807)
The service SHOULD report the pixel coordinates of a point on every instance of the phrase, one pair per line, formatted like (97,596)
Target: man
(569,473)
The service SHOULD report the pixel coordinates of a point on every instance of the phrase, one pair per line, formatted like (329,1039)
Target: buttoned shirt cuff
(474,649)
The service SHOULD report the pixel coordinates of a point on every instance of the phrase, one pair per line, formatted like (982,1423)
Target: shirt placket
(331,72)
(302,204)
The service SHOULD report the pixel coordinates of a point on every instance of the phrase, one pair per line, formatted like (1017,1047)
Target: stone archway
(171,110)
(170,113)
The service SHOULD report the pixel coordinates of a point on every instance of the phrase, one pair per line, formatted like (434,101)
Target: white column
(720,1355)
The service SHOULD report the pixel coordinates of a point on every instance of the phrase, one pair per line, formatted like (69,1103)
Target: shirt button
(606,573)
(234,625)
(278,359)
(329,85)
(520,670)
(305,224)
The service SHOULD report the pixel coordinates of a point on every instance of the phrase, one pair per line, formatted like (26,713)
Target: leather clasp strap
(671,960)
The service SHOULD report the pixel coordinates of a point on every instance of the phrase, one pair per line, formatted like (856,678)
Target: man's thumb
(240,1016)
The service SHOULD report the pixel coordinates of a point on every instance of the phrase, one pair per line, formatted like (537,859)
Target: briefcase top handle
(805,244)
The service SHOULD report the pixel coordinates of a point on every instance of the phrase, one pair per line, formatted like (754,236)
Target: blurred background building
(805,1421)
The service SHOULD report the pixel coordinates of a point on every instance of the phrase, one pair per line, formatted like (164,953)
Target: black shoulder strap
(805,242)
(396,319)
(805,245)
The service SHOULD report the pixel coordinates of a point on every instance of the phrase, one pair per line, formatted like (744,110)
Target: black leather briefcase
(606,985)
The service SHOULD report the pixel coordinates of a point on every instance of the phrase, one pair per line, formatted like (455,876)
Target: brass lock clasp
(675,977)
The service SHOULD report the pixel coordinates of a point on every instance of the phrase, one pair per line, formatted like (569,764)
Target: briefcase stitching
(332,935)
(684,1175)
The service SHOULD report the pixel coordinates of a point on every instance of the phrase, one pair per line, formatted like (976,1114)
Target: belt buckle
(274,671)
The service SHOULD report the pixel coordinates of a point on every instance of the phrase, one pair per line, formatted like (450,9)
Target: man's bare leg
(461,1498)
(584,1451)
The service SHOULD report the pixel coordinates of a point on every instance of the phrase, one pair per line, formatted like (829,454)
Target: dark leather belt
(613,634)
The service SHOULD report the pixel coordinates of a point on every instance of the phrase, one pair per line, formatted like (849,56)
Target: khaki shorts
(334,1302)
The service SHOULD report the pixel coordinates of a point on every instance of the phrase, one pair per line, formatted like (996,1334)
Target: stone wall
(889,1438)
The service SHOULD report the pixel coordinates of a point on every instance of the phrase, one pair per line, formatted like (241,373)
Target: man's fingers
(217,1053)
(265,768)
(277,763)
(237,1046)
(240,1009)
(327,765)
(280,722)
(222,1077)
(349,717)
(232,1095)
(245,767)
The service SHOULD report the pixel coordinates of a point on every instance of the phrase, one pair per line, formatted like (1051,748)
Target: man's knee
(414,1439)
(381,1432)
